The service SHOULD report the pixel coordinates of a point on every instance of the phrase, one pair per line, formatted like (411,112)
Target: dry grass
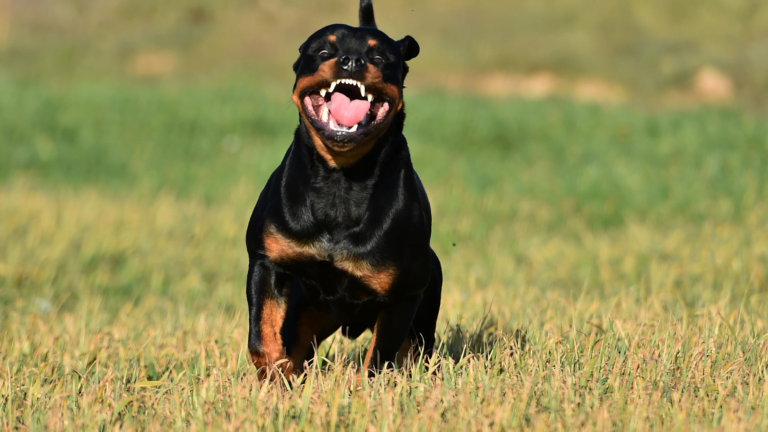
(670,332)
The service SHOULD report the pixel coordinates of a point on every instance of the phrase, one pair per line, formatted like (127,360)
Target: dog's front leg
(267,291)
(389,334)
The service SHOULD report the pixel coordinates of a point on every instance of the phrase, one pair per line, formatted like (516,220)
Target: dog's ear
(367,19)
(298,61)
(409,47)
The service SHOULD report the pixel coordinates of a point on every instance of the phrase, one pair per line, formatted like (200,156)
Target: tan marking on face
(374,84)
(334,156)
(271,357)
(332,38)
(372,43)
(280,248)
(378,279)
(322,149)
(324,74)
(313,327)
(374,81)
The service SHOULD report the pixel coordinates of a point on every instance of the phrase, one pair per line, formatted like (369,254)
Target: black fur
(371,213)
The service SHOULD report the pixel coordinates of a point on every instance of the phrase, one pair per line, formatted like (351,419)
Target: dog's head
(349,85)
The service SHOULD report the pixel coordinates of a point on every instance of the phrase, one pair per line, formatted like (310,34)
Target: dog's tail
(367,19)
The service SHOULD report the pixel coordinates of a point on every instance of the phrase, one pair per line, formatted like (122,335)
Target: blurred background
(572,149)
(659,50)
(596,169)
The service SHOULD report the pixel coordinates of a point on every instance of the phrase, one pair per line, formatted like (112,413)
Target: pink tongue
(347,112)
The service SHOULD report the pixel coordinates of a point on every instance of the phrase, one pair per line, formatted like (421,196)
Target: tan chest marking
(379,279)
(282,249)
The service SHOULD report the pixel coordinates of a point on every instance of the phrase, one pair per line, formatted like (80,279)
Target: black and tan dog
(340,235)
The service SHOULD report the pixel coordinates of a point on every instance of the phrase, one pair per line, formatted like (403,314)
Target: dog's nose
(351,62)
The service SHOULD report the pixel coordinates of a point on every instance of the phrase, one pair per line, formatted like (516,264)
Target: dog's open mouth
(345,109)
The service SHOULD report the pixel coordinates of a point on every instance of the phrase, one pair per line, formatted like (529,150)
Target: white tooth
(362,90)
(333,86)
(325,114)
(370,98)
(323,92)
(354,128)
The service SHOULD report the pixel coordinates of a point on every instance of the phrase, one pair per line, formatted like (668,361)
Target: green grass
(628,246)
(608,166)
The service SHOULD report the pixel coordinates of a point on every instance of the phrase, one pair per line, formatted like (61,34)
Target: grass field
(605,268)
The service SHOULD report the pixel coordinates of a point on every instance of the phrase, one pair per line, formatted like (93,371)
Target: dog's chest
(286,251)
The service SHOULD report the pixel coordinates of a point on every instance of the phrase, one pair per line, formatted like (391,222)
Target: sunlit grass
(132,312)
(604,268)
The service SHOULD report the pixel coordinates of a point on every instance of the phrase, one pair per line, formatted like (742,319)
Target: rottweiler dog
(339,237)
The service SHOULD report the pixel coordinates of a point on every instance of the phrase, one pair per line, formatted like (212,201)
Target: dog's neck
(381,153)
(312,178)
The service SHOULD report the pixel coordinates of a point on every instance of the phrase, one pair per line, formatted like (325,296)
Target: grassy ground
(606,268)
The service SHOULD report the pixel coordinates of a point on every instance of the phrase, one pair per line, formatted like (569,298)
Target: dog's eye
(378,59)
(323,53)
